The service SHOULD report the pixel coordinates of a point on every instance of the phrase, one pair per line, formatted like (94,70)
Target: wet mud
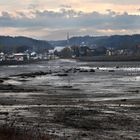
(74,102)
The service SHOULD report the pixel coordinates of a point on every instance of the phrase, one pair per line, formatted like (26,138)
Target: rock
(61,74)
(66,86)
(91,70)
(84,135)
(53,131)
(123,100)
(82,70)
(1,81)
(136,91)
(68,70)
(111,71)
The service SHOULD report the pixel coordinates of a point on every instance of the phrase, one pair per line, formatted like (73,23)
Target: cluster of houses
(67,52)
(83,50)
(113,52)
(23,56)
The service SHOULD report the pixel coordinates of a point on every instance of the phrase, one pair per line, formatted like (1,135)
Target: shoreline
(110,58)
(14,62)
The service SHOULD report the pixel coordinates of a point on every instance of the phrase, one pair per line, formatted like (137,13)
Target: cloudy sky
(52,19)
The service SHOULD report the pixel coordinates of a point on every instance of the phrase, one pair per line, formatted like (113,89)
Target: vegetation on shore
(13,133)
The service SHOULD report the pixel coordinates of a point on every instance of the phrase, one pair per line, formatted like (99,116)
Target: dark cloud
(5,15)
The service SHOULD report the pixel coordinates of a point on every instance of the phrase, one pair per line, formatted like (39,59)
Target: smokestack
(67,39)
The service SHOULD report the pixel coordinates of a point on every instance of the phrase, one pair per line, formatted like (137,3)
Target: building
(21,56)
(2,56)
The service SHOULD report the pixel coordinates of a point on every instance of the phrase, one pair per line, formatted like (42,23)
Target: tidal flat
(70,100)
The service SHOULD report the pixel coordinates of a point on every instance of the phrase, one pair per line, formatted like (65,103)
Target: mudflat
(65,99)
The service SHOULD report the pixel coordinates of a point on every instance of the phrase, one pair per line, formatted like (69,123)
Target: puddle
(12,82)
(20,94)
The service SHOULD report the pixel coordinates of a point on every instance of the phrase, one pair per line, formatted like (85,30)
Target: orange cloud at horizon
(79,5)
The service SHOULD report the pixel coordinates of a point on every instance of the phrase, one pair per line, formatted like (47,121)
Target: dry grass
(7,133)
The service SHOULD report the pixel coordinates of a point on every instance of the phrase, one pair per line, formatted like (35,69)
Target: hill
(20,44)
(115,41)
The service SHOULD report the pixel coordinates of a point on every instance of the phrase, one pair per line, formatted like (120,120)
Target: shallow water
(100,84)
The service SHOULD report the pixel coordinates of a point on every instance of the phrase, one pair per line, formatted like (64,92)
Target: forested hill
(20,44)
(115,41)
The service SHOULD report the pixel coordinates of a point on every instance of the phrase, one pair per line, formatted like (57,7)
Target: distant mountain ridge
(8,44)
(114,41)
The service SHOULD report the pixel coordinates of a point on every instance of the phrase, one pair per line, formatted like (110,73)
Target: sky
(52,19)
